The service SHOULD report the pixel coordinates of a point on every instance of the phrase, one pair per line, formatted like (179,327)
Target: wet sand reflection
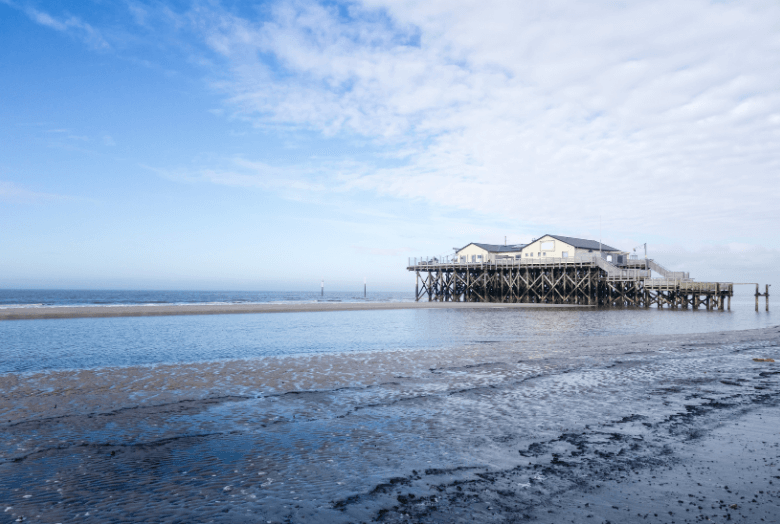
(360,437)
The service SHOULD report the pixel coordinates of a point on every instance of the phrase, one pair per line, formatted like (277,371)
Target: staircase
(669,275)
(616,273)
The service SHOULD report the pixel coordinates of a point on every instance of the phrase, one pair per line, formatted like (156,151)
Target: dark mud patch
(600,468)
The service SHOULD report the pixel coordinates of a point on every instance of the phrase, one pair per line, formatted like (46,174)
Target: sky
(270,145)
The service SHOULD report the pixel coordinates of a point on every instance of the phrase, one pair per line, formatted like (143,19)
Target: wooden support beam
(563,283)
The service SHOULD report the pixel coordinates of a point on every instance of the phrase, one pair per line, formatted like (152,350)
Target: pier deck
(589,281)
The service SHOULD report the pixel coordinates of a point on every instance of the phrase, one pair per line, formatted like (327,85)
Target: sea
(407,415)
(85,343)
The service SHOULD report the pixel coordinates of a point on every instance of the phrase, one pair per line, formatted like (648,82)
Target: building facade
(547,246)
(478,253)
(557,246)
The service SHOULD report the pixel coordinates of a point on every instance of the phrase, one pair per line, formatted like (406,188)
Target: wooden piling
(562,282)
(757,295)
(766,294)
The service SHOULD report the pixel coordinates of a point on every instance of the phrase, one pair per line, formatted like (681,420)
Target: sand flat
(609,428)
(222,309)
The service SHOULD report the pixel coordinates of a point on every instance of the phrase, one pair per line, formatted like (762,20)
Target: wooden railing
(677,280)
(687,285)
(661,270)
(498,262)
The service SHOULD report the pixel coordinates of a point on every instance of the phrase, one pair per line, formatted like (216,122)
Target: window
(545,254)
(565,254)
(548,245)
(479,257)
(609,258)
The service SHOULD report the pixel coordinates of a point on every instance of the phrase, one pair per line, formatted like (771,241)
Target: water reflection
(32,345)
(344,438)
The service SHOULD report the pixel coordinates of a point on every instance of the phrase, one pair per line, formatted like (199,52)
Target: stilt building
(555,269)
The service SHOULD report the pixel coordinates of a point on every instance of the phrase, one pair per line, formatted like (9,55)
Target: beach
(35,313)
(651,428)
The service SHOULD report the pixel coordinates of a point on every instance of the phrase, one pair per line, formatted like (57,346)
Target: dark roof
(582,243)
(497,248)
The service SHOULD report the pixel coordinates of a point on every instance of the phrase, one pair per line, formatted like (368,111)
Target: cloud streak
(68,24)
(14,193)
(664,114)
(660,116)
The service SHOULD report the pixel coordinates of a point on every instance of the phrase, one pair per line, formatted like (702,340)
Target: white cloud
(382,252)
(69,24)
(660,116)
(11,192)
(663,117)
(727,262)
(239,172)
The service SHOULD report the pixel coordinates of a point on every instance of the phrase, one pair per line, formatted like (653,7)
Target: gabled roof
(581,243)
(496,248)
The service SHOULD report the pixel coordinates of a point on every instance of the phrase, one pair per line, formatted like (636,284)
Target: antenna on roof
(600,236)
(504,239)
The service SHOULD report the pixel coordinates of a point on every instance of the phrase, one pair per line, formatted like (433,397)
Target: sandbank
(33,313)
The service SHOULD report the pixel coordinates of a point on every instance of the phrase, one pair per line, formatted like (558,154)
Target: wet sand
(224,309)
(613,429)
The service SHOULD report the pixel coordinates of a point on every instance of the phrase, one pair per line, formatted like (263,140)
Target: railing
(629,274)
(661,270)
(616,273)
(679,281)
(613,272)
(686,285)
(498,262)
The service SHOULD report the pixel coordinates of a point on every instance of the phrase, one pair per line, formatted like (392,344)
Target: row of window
(564,254)
(478,258)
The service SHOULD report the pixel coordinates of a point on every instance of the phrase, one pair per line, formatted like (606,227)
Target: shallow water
(25,298)
(33,345)
(479,434)
(389,416)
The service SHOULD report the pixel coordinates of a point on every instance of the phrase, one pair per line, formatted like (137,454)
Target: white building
(557,246)
(547,246)
(478,253)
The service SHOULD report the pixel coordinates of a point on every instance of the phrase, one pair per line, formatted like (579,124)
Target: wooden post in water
(766,294)
(757,295)
(720,298)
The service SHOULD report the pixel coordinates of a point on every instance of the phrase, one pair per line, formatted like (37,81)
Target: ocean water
(15,298)
(498,416)
(36,345)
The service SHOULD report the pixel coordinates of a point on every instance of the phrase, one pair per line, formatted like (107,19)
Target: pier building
(555,269)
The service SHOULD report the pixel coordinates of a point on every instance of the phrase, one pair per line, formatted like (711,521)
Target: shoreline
(224,309)
(609,429)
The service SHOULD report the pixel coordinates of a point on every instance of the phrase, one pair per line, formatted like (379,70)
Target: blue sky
(267,145)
